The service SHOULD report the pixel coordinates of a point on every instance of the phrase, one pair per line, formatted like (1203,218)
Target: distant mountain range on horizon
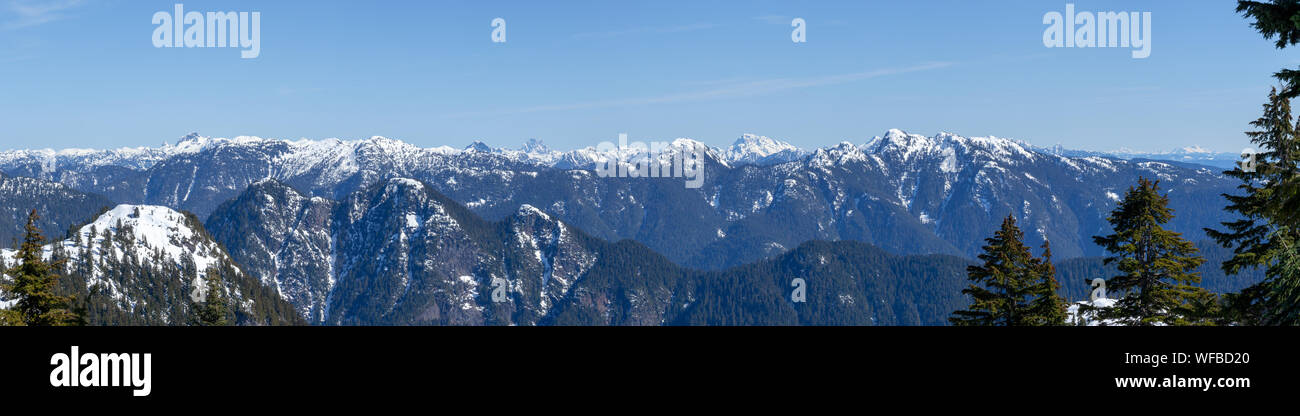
(748,148)
(940,191)
(378,231)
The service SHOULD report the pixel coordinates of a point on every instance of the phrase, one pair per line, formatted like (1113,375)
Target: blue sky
(83,73)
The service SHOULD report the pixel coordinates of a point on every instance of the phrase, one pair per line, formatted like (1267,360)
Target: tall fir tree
(215,309)
(1267,232)
(1157,281)
(1012,287)
(1048,307)
(35,283)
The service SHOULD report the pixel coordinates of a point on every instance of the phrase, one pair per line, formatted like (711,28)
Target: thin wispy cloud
(775,19)
(14,59)
(647,30)
(715,82)
(287,91)
(19,14)
(736,90)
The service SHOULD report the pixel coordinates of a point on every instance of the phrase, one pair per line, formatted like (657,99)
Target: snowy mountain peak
(382,142)
(688,143)
(754,140)
(902,143)
(680,144)
(839,154)
(384,145)
(999,148)
(155,229)
(1195,149)
(193,136)
(535,146)
(145,235)
(479,147)
(896,134)
(194,143)
(191,143)
(751,148)
(947,136)
(907,146)
(149,262)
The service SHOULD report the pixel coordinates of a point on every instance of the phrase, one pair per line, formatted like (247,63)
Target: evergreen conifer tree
(36,285)
(1048,307)
(214,310)
(1268,230)
(1012,287)
(1156,265)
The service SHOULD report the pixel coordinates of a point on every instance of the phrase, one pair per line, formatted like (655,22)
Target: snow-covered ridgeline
(156,233)
(335,158)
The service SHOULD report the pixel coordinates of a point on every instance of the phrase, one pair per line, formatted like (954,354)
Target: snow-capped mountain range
(938,190)
(1191,154)
(381,231)
(1195,155)
(305,154)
